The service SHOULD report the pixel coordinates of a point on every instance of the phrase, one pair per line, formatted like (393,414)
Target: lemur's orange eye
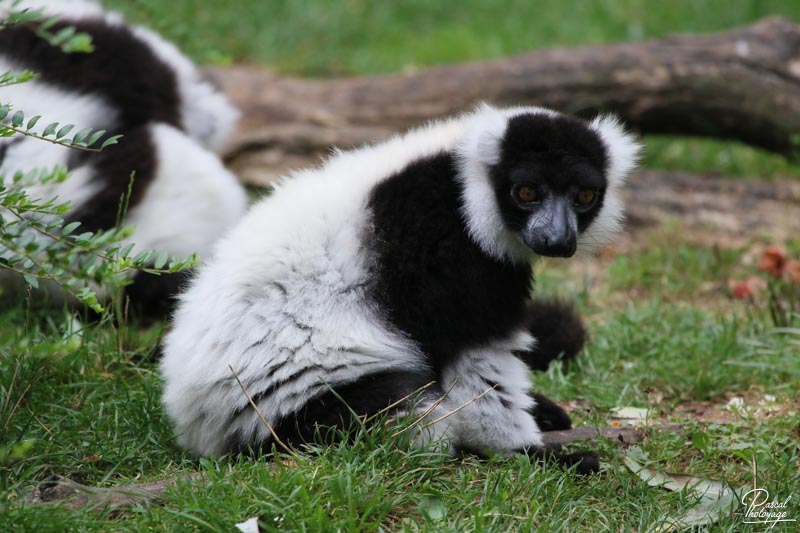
(527,195)
(585,197)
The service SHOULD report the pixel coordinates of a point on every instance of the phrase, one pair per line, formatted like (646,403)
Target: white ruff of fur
(623,154)
(480,148)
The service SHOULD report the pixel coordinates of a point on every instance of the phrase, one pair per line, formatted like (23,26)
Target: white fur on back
(206,113)
(285,290)
(54,104)
(72,8)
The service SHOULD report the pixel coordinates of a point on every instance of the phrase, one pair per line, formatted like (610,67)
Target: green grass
(83,401)
(85,405)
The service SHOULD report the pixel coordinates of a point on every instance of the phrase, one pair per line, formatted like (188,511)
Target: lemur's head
(536,180)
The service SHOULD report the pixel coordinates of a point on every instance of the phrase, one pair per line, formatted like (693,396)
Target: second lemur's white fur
(286,290)
(191,201)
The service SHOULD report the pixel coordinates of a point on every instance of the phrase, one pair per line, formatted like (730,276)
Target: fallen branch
(73,495)
(623,435)
(739,84)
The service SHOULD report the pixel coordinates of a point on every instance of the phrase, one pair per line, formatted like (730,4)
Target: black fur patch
(6,144)
(112,168)
(558,154)
(558,330)
(322,417)
(122,68)
(152,296)
(432,279)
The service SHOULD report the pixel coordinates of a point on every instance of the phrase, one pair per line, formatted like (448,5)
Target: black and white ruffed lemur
(172,120)
(392,266)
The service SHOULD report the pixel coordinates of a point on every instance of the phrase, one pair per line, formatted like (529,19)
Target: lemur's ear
(485,133)
(623,148)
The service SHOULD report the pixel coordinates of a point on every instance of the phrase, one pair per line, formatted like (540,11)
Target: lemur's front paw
(549,416)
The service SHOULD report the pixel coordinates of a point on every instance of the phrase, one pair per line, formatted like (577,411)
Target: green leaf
(69,228)
(4,110)
(94,137)
(110,141)
(84,237)
(143,257)
(80,42)
(63,34)
(32,122)
(63,131)
(47,23)
(127,250)
(50,129)
(81,136)
(88,297)
(161,260)
(31,280)
(433,508)
(17,119)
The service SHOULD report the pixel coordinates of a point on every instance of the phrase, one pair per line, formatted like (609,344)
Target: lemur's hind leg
(558,331)
(343,409)
(486,408)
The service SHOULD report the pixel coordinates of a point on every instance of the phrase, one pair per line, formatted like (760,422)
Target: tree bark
(741,84)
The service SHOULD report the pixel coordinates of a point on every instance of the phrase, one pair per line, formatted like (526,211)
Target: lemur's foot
(549,416)
(585,463)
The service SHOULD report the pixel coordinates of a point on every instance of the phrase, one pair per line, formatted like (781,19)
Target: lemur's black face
(550,181)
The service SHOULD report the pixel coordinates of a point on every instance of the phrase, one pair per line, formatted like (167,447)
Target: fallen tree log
(714,207)
(741,84)
(623,435)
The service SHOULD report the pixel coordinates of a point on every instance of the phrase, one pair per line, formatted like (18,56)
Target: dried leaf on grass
(715,498)
(249,526)
(631,415)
